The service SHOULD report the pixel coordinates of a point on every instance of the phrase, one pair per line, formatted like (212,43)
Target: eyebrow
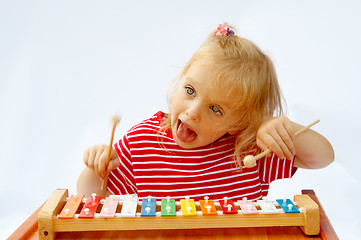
(189,78)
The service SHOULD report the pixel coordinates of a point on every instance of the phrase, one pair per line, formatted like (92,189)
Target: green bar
(166,204)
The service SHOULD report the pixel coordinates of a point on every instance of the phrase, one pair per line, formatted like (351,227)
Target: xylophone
(75,213)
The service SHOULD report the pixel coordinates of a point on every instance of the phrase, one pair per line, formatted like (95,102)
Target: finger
(290,130)
(274,143)
(268,140)
(114,164)
(86,157)
(291,134)
(91,158)
(97,161)
(102,164)
(113,154)
(263,146)
(114,161)
(284,149)
(287,145)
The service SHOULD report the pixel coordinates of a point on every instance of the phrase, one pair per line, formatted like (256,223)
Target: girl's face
(198,115)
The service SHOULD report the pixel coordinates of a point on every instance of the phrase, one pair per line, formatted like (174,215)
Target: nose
(193,111)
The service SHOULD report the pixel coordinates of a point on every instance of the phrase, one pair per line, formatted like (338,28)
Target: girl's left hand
(277,134)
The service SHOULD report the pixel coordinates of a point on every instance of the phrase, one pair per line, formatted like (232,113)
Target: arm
(312,149)
(90,180)
(309,150)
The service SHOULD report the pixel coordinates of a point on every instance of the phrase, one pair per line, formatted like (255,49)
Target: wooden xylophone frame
(48,223)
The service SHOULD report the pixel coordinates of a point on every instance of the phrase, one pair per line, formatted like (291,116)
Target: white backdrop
(66,66)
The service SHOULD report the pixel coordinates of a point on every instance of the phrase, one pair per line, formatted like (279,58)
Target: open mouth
(184,132)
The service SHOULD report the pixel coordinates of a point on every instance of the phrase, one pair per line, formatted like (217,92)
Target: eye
(216,110)
(190,91)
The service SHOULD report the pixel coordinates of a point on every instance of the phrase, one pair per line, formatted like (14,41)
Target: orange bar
(72,205)
(204,209)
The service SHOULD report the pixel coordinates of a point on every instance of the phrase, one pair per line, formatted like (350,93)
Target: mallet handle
(105,180)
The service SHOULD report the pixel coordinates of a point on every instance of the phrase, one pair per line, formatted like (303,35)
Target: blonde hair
(239,65)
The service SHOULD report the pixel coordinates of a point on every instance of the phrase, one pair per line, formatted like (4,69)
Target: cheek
(176,100)
(179,103)
(218,129)
(174,108)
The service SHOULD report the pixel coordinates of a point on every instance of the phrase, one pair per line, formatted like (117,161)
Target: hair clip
(223,30)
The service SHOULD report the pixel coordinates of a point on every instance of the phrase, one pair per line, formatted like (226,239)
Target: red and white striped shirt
(152,164)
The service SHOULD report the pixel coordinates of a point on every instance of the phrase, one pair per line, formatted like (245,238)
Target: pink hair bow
(223,30)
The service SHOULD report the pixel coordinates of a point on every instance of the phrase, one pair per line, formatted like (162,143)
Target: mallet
(115,119)
(250,160)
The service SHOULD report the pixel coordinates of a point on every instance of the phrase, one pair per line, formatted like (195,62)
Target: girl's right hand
(277,134)
(95,158)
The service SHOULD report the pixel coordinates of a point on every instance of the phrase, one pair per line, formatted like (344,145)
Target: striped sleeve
(272,168)
(121,180)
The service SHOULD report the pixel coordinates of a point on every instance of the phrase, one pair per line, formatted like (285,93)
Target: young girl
(225,104)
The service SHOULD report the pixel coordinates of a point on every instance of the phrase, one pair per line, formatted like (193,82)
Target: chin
(187,145)
(183,144)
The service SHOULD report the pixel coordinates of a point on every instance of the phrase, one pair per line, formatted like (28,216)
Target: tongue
(185,134)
